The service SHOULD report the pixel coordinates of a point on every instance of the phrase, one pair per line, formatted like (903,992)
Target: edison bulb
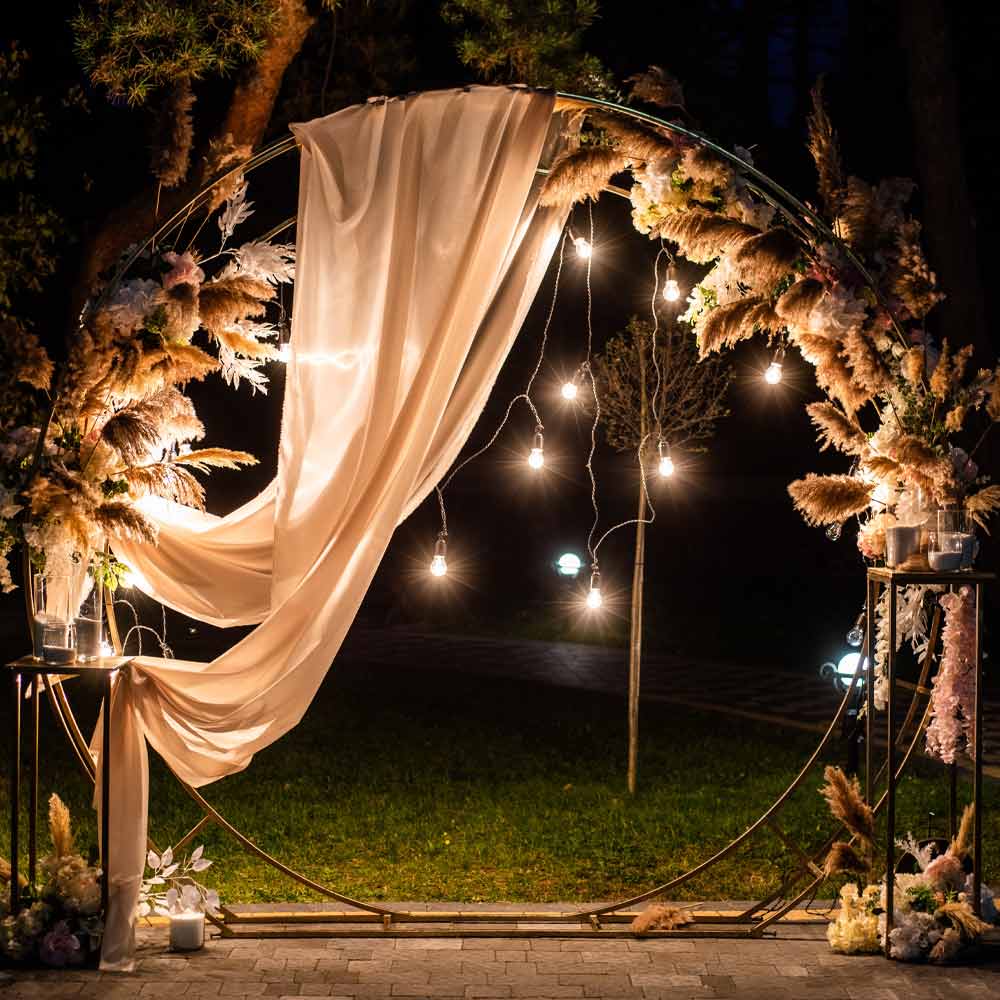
(856,636)
(569,390)
(594,599)
(773,374)
(439,566)
(536,457)
(583,247)
(671,290)
(666,466)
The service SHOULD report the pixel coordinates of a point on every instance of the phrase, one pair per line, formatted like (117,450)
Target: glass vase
(90,622)
(55,612)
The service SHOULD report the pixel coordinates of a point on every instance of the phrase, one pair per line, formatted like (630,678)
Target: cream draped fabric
(420,249)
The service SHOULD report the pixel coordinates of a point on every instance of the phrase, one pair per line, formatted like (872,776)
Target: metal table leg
(871,599)
(890,794)
(977,784)
(15,793)
(105,794)
(36,690)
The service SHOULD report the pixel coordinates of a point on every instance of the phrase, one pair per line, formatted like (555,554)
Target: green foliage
(29,227)
(521,41)
(134,47)
(922,898)
(110,570)
(688,393)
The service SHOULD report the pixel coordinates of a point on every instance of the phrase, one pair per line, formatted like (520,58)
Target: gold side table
(890,579)
(39,675)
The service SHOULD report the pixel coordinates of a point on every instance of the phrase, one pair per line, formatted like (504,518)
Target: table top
(103,665)
(887,575)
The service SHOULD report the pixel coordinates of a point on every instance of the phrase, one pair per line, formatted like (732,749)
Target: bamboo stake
(638,579)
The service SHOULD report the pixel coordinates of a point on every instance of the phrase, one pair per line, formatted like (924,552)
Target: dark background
(731,568)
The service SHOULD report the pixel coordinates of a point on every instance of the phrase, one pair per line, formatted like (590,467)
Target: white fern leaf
(236,369)
(237,210)
(272,262)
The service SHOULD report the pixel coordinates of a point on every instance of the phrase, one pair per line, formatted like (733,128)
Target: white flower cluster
(855,931)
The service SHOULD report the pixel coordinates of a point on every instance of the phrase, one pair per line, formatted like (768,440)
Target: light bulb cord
(526,395)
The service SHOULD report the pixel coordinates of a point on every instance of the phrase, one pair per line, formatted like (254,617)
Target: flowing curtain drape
(420,248)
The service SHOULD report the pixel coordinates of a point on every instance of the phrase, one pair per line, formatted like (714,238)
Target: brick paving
(793,965)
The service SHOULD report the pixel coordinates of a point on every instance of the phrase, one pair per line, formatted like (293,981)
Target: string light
(671,287)
(594,598)
(536,457)
(439,568)
(584,248)
(774,372)
(439,564)
(570,390)
(856,634)
(666,463)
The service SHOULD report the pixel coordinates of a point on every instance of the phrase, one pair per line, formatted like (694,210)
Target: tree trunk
(950,233)
(638,575)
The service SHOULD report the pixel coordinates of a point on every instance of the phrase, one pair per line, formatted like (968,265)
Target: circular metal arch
(808,224)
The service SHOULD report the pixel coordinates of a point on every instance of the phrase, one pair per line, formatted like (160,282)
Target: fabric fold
(420,249)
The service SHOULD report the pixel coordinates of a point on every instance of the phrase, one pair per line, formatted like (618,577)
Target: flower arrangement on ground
(933,918)
(63,924)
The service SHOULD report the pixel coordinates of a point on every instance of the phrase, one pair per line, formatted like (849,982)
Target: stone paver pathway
(797,964)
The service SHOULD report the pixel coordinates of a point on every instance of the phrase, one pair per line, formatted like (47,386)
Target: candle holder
(187,930)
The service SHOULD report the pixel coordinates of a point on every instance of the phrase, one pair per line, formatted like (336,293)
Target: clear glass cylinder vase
(55,613)
(90,621)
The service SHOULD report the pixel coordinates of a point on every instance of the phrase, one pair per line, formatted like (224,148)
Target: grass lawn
(408,784)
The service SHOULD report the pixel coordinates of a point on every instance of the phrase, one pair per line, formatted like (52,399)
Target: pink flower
(951,729)
(945,872)
(184,270)
(60,947)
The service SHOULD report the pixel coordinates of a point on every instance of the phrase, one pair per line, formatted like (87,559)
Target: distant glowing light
(285,352)
(847,666)
(536,458)
(106,648)
(583,247)
(570,390)
(439,564)
(594,597)
(569,564)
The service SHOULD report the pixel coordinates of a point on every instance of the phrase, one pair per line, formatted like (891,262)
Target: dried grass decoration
(661,917)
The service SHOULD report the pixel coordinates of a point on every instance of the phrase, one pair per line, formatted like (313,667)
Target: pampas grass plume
(843,858)
(834,428)
(582,174)
(829,499)
(60,828)
(843,795)
(660,917)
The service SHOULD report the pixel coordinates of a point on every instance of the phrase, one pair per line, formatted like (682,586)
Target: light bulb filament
(439,564)
(584,249)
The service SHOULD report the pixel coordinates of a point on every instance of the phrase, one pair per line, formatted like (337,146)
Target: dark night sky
(726,535)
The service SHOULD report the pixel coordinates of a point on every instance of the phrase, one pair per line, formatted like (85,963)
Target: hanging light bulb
(666,463)
(536,458)
(584,249)
(284,340)
(570,389)
(671,288)
(439,564)
(774,372)
(594,598)
(856,634)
